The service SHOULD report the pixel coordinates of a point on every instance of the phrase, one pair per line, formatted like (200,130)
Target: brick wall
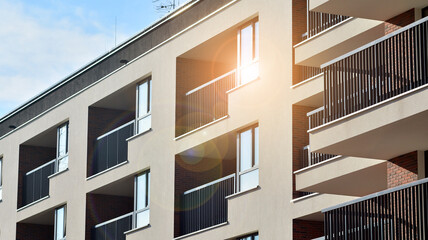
(399,21)
(303,229)
(191,74)
(402,170)
(191,172)
(299,28)
(26,231)
(100,121)
(300,138)
(31,157)
(101,208)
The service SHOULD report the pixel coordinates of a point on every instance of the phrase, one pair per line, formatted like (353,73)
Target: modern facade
(232,119)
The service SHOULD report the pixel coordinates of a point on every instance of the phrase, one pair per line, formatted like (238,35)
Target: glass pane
(246,151)
(141,192)
(249,180)
(143,99)
(143,218)
(256,146)
(250,73)
(144,124)
(62,164)
(60,223)
(246,45)
(1,169)
(256,39)
(256,237)
(62,140)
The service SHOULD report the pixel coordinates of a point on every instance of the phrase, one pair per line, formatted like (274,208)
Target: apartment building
(232,119)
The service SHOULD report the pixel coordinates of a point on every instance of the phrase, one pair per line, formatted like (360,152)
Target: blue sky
(43,41)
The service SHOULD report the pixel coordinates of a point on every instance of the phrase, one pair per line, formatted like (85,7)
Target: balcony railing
(36,182)
(316,118)
(113,229)
(206,206)
(208,102)
(388,67)
(112,148)
(397,213)
(318,22)
(311,158)
(305,72)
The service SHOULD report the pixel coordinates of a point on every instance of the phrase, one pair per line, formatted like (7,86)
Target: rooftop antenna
(115,31)
(166,5)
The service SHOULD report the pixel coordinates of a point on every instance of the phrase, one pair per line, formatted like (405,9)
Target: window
(62,148)
(424,12)
(60,220)
(144,102)
(251,237)
(1,176)
(248,158)
(249,51)
(142,200)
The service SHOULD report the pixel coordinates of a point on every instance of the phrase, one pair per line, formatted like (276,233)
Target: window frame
(254,165)
(251,236)
(58,156)
(64,222)
(255,46)
(1,178)
(149,104)
(147,198)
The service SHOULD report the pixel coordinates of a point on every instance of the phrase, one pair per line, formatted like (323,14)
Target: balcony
(41,157)
(379,10)
(111,121)
(374,94)
(206,206)
(397,213)
(111,149)
(36,183)
(113,229)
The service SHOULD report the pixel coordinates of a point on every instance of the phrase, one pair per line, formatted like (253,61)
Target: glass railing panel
(113,229)
(206,206)
(36,183)
(112,148)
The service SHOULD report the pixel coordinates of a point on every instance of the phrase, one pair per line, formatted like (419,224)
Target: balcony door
(62,148)
(248,54)
(142,200)
(144,106)
(248,158)
(60,223)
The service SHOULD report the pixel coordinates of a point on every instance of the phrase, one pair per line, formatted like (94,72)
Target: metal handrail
(377,194)
(209,184)
(114,220)
(40,167)
(211,82)
(115,130)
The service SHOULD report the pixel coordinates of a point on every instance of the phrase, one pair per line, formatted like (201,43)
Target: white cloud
(37,49)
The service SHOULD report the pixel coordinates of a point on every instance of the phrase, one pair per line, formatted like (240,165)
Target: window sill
(33,203)
(139,134)
(202,230)
(107,170)
(137,229)
(57,173)
(243,192)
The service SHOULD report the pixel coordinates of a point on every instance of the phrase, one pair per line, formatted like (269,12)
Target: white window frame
(255,56)
(61,157)
(1,178)
(64,222)
(149,104)
(147,195)
(254,166)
